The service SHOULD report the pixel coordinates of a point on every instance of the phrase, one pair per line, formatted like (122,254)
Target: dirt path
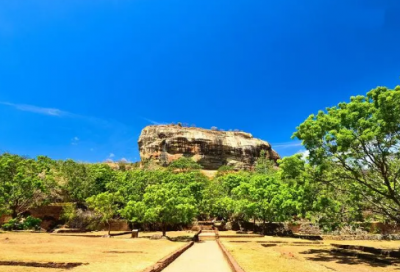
(203,256)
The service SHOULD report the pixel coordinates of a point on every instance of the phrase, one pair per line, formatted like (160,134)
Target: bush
(30,223)
(310,229)
(13,224)
(80,219)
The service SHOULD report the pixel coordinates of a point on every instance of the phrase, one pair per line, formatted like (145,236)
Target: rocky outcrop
(210,148)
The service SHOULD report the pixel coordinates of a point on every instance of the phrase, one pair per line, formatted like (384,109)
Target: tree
(264,165)
(166,204)
(85,180)
(21,185)
(359,143)
(266,198)
(321,203)
(132,184)
(76,183)
(106,205)
(184,164)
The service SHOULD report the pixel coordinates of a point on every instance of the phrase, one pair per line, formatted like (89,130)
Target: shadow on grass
(349,257)
(180,238)
(45,265)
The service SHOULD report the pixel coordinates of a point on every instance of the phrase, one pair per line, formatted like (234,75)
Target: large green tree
(106,205)
(22,184)
(358,143)
(266,198)
(174,200)
(81,180)
(324,204)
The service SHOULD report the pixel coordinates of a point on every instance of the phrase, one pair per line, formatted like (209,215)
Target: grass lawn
(97,254)
(289,255)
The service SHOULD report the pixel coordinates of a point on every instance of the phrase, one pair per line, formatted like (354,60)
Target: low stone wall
(164,262)
(50,215)
(4,218)
(232,262)
(116,225)
(361,237)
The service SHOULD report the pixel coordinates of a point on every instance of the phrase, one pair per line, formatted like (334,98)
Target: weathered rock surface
(212,149)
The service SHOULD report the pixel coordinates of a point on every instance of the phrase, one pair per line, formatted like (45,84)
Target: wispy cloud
(75,140)
(111,155)
(286,144)
(35,109)
(58,113)
(152,121)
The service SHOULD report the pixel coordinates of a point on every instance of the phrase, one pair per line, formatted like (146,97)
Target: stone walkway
(203,256)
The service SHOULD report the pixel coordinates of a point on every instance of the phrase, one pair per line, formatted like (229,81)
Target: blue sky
(80,79)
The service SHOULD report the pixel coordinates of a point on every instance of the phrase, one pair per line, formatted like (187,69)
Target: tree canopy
(358,143)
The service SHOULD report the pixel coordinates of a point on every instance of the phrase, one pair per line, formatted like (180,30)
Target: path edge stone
(231,260)
(164,262)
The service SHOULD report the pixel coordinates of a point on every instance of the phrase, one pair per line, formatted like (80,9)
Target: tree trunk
(254,224)
(263,226)
(109,228)
(164,231)
(14,213)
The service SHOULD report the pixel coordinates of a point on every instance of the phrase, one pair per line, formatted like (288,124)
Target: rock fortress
(212,149)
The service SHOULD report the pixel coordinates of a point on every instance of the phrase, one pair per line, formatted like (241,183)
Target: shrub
(17,224)
(310,229)
(80,219)
(32,223)
(13,224)
(184,163)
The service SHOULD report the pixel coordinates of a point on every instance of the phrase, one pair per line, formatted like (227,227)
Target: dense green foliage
(351,175)
(29,223)
(355,147)
(106,205)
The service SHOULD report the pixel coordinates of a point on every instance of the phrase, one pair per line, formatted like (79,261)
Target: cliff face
(212,149)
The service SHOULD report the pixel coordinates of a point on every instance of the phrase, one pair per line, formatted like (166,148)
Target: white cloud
(111,155)
(152,121)
(124,160)
(55,112)
(35,109)
(287,144)
(75,140)
(304,154)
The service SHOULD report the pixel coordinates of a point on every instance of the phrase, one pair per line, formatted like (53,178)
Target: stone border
(240,236)
(368,237)
(164,262)
(231,260)
(78,234)
(196,236)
